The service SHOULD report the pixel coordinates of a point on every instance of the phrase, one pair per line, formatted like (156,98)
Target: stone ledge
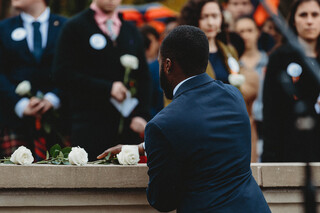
(65,176)
(267,175)
(72,197)
(116,188)
(285,174)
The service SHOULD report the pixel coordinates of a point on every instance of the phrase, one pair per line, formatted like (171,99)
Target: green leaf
(55,114)
(66,162)
(47,155)
(46,127)
(133,91)
(115,161)
(43,162)
(66,151)
(97,162)
(56,161)
(108,156)
(39,95)
(60,156)
(55,150)
(8,162)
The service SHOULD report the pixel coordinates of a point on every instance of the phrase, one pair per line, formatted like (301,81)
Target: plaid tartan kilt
(10,140)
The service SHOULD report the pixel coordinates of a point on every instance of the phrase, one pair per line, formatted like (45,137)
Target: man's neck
(36,10)
(109,13)
(180,82)
(310,47)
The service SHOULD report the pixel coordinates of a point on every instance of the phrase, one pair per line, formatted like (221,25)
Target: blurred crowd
(94,78)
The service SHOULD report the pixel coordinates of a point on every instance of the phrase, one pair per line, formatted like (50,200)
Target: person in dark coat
(199,146)
(89,69)
(27,47)
(291,92)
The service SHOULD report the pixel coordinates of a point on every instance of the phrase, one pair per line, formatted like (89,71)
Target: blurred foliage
(4,8)
(68,7)
(71,7)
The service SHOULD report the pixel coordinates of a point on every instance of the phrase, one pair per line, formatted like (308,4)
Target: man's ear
(168,65)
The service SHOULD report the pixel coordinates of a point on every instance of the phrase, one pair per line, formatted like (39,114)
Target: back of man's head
(187,46)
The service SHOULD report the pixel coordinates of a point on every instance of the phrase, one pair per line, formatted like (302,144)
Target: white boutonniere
(294,70)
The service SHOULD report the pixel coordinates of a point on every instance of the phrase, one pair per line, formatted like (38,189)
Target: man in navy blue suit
(27,46)
(199,146)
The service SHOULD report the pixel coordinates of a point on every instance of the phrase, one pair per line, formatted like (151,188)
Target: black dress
(282,141)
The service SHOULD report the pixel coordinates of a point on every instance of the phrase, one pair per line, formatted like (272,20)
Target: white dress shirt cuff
(144,148)
(21,106)
(53,99)
(317,105)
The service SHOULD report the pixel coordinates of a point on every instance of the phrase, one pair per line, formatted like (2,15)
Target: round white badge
(19,34)
(294,70)
(98,41)
(233,64)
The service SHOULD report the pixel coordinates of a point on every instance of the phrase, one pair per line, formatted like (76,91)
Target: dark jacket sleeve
(272,111)
(7,89)
(66,66)
(164,171)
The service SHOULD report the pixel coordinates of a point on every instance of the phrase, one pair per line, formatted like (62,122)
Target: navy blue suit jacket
(17,63)
(199,149)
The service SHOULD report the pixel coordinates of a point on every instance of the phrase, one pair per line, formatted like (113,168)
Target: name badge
(19,34)
(294,70)
(98,41)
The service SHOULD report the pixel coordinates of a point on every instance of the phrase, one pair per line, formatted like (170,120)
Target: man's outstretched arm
(117,149)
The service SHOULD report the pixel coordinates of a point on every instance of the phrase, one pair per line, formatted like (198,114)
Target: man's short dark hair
(188,46)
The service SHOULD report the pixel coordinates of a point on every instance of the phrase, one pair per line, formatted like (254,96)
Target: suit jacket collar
(53,32)
(23,45)
(89,13)
(192,83)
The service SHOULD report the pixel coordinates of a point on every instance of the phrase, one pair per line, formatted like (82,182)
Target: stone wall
(116,188)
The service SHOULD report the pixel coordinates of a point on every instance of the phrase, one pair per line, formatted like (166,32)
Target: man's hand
(46,106)
(114,150)
(117,149)
(118,91)
(138,124)
(34,107)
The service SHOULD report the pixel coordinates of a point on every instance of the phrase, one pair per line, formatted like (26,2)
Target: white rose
(129,61)
(22,156)
(236,79)
(129,155)
(23,88)
(78,156)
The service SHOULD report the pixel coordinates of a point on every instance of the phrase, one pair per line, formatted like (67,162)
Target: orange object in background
(260,15)
(154,14)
